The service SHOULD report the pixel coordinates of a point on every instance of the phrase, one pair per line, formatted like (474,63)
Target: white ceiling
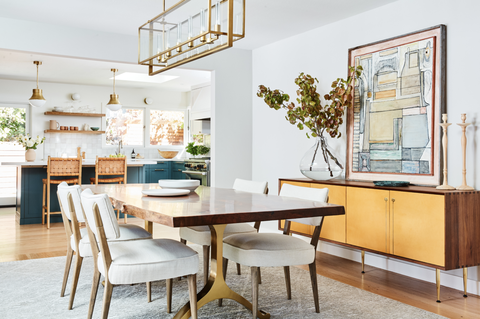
(267,21)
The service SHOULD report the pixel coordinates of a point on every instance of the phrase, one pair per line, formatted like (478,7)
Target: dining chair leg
(254,292)
(169,295)
(184,241)
(93,293)
(206,263)
(239,269)
(192,289)
(68,264)
(225,265)
(286,270)
(313,277)
(76,274)
(149,291)
(125,218)
(107,297)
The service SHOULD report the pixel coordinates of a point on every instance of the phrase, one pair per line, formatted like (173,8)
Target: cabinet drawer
(333,227)
(178,175)
(178,166)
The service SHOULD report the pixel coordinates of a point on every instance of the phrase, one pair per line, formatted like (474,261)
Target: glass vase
(319,163)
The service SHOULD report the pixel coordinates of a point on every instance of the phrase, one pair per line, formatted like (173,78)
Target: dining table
(215,207)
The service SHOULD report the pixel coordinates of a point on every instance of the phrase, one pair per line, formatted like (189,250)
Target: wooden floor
(35,241)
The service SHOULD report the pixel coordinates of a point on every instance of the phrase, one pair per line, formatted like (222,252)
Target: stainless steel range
(198,168)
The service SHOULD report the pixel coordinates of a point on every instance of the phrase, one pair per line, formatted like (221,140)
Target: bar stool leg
(48,206)
(43,203)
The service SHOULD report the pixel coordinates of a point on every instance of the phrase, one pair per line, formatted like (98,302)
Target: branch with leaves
(309,113)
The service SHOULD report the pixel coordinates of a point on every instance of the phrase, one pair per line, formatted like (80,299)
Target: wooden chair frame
(107,261)
(108,166)
(68,167)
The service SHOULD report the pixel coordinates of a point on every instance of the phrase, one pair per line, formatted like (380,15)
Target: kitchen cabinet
(422,225)
(164,170)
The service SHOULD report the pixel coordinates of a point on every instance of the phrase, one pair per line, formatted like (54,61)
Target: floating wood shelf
(75,114)
(79,132)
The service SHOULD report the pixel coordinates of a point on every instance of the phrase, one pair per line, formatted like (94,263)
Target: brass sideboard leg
(363,261)
(438,284)
(465,273)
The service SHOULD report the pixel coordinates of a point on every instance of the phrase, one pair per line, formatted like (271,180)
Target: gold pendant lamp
(114,104)
(37,99)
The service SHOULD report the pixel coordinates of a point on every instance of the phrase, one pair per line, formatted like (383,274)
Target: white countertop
(91,161)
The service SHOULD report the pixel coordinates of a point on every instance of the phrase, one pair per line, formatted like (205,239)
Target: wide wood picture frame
(393,131)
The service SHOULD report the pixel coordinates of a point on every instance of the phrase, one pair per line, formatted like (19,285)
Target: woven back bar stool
(59,170)
(107,168)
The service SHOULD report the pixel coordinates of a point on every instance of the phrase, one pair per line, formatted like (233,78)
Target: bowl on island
(190,184)
(94,128)
(167,154)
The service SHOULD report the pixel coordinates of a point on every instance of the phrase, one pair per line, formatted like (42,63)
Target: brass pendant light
(37,99)
(114,104)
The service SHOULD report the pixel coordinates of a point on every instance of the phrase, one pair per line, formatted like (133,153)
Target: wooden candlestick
(445,126)
(464,125)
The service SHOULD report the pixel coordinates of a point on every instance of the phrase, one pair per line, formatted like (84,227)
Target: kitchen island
(29,185)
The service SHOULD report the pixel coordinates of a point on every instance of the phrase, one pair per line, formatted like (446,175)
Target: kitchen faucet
(120,146)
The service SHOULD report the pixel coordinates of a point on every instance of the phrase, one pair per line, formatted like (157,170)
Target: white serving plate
(190,184)
(166,192)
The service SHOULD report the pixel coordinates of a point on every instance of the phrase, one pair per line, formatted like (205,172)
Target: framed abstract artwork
(393,131)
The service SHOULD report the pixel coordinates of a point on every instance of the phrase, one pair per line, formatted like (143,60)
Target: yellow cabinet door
(297,227)
(418,226)
(333,227)
(367,218)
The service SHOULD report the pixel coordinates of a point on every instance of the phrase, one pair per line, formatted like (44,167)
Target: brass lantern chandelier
(37,99)
(189,30)
(114,104)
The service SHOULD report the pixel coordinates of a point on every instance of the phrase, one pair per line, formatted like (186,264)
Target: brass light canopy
(189,30)
(114,104)
(37,99)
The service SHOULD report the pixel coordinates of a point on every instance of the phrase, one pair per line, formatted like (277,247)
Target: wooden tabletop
(210,205)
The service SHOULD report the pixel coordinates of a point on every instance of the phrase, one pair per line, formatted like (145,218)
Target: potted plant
(319,162)
(195,150)
(30,145)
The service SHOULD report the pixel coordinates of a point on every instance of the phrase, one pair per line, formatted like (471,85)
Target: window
(166,127)
(125,125)
(145,127)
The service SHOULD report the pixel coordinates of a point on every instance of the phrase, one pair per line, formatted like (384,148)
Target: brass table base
(216,287)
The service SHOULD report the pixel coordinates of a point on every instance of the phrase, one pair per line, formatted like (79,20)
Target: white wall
(231,114)
(278,146)
(58,94)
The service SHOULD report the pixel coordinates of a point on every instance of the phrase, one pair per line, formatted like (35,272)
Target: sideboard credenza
(419,224)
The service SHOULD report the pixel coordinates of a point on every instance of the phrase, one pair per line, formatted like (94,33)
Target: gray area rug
(31,289)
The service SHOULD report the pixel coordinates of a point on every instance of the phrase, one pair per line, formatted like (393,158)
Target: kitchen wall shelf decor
(392,131)
(189,30)
(78,132)
(75,114)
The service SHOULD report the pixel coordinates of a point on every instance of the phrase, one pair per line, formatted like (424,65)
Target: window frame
(146,129)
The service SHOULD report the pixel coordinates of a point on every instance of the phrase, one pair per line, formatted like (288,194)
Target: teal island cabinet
(30,191)
(30,188)
(164,170)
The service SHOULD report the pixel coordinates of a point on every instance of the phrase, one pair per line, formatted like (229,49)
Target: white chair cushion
(149,260)
(200,235)
(62,191)
(127,232)
(107,215)
(267,250)
(313,194)
(250,186)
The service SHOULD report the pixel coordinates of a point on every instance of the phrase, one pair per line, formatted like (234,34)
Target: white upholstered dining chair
(277,250)
(200,235)
(77,238)
(130,262)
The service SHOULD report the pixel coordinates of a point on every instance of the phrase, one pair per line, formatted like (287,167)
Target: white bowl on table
(190,184)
